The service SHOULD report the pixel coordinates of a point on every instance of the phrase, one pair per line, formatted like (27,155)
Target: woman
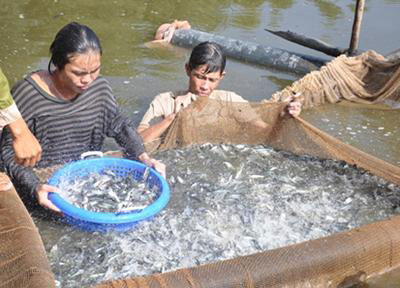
(70,109)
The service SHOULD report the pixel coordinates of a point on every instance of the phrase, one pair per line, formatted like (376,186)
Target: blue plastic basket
(102,221)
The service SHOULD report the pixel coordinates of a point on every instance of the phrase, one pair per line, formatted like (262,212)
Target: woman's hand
(153,163)
(42,193)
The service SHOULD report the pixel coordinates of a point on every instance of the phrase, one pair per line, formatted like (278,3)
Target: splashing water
(227,200)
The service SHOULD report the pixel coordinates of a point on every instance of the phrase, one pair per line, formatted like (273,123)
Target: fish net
(340,260)
(23,260)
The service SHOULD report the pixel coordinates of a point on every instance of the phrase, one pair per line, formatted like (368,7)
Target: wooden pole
(355,35)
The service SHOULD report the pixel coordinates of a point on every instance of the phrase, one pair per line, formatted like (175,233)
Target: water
(372,129)
(227,201)
(138,73)
(27,28)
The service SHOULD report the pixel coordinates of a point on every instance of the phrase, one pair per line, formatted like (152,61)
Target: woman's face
(81,71)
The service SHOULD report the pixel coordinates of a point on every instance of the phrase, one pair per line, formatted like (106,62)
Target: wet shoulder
(100,88)
(26,81)
(25,88)
(101,83)
(224,95)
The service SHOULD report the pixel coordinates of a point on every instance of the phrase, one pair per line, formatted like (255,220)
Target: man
(205,69)
(27,148)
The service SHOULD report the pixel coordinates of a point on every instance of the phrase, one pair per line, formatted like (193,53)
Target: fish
(107,192)
(277,199)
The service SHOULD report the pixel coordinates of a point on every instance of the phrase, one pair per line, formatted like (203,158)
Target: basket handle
(92,154)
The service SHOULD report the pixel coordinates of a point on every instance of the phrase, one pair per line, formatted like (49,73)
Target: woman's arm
(24,177)
(125,134)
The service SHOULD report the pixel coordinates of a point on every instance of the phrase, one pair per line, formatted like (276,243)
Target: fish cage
(23,259)
(369,81)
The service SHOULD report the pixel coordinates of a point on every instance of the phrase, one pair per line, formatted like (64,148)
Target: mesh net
(325,262)
(368,81)
(367,78)
(342,259)
(23,261)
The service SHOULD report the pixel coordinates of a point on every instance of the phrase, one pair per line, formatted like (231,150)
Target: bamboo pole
(355,35)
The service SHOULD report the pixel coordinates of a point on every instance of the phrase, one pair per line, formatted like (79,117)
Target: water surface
(138,73)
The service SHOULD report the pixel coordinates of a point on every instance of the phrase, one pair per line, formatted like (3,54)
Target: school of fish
(226,201)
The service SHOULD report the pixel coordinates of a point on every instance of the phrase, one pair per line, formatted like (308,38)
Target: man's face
(203,84)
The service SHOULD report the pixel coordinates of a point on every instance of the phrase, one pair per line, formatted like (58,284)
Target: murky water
(227,201)
(372,129)
(138,73)
(27,28)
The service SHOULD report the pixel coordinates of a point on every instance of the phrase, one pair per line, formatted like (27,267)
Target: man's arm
(27,148)
(150,133)
(5,96)
(158,109)
(20,175)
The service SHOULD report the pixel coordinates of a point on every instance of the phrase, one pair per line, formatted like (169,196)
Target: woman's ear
(222,75)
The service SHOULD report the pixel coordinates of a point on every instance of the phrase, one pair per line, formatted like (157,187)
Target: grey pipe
(250,52)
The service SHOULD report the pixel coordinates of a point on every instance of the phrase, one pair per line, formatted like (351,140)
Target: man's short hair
(210,54)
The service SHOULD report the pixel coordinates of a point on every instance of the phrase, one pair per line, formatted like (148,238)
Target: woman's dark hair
(73,38)
(209,54)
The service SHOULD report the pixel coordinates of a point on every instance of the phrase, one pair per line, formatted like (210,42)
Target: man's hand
(5,183)
(180,103)
(27,148)
(157,165)
(170,118)
(42,193)
(294,106)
